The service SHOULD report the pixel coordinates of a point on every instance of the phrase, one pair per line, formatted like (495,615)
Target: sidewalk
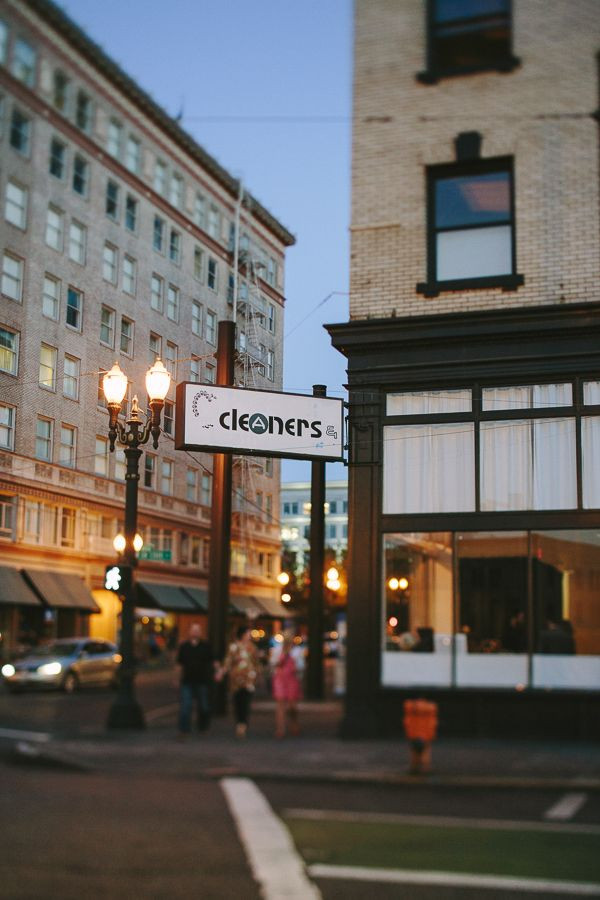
(319,754)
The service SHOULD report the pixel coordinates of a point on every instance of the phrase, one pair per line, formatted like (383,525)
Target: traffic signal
(117,578)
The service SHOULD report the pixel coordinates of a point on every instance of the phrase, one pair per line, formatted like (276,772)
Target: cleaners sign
(265,423)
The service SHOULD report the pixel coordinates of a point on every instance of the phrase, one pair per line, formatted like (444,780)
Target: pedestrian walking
(197,671)
(286,690)
(242,664)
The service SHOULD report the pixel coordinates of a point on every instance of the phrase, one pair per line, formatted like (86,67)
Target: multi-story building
(473,353)
(119,236)
(295,519)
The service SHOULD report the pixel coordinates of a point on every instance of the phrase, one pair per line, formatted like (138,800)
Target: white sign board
(265,423)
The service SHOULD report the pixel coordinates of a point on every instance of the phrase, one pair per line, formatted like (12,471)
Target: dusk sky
(265,88)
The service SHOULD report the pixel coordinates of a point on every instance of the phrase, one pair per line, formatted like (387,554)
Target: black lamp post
(126,712)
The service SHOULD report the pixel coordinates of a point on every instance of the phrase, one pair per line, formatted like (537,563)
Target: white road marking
(275,863)
(342,815)
(454,879)
(41,737)
(565,808)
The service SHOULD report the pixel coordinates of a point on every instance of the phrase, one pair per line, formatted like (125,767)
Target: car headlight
(8,670)
(53,668)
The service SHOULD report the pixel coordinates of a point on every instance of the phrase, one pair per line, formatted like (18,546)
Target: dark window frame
(509,281)
(435,71)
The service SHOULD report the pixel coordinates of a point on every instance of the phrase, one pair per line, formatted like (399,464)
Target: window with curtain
(429,468)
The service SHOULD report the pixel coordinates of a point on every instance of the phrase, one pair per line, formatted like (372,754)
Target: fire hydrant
(420,727)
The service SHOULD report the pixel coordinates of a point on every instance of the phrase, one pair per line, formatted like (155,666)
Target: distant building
(473,351)
(295,518)
(118,241)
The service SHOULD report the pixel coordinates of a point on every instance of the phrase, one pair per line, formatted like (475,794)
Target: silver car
(66,664)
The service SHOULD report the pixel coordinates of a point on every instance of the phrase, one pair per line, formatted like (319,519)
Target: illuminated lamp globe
(285,598)
(157,381)
(393,584)
(333,574)
(283,578)
(403,583)
(138,543)
(114,385)
(334,584)
(119,543)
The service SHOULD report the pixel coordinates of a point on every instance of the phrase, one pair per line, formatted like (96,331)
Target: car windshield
(58,648)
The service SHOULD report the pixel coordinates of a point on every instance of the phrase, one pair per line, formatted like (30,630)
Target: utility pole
(314,675)
(220,553)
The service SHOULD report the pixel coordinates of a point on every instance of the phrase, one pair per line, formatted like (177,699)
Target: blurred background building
(473,353)
(122,239)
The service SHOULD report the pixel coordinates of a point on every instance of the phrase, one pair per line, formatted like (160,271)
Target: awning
(60,590)
(168,597)
(255,607)
(14,589)
(199,596)
(275,608)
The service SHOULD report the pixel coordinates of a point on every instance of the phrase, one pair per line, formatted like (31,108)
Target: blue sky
(265,87)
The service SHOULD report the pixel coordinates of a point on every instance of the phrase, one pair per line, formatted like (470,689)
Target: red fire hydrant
(420,727)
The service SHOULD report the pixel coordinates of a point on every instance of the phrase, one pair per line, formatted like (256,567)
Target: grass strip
(511,853)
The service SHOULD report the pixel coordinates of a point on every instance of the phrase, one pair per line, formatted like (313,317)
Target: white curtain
(534,396)
(428,468)
(591,393)
(420,403)
(506,477)
(554,464)
(528,465)
(590,444)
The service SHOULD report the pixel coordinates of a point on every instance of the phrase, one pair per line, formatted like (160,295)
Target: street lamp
(126,712)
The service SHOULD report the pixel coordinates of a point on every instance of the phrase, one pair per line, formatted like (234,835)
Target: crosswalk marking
(17,734)
(454,879)
(565,808)
(275,863)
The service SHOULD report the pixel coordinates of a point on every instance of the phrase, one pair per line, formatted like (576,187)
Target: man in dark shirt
(197,669)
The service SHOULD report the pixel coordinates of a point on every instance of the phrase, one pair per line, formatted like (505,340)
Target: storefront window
(502,609)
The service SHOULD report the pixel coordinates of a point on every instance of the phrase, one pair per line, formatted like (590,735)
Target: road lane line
(565,808)
(342,815)
(454,879)
(275,863)
(41,737)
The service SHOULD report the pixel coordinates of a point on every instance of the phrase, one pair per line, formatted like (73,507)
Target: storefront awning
(199,596)
(168,597)
(142,613)
(60,590)
(14,590)
(257,607)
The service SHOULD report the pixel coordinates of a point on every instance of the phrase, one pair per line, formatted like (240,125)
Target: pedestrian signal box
(117,578)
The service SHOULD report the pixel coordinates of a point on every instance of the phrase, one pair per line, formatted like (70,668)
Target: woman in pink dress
(286,690)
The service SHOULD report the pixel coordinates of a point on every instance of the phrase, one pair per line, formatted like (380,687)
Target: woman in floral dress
(243,665)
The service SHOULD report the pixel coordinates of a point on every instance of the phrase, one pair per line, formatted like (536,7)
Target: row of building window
(332,507)
(37,522)
(122,145)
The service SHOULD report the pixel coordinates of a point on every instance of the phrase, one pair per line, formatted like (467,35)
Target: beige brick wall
(539,114)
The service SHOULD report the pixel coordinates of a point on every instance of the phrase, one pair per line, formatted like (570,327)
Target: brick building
(474,365)
(118,239)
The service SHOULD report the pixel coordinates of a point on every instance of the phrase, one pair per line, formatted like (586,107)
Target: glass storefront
(512,609)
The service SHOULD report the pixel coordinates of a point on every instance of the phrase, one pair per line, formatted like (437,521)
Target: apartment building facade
(295,519)
(119,239)
(474,366)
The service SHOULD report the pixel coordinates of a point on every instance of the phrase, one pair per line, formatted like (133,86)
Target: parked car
(66,664)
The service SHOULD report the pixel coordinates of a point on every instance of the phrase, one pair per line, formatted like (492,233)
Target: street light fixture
(125,712)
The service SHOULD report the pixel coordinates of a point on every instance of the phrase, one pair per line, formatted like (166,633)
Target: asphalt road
(116,833)
(85,711)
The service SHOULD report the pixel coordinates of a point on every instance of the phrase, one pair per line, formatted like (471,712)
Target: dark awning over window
(60,590)
(14,589)
(169,597)
(199,596)
(257,607)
